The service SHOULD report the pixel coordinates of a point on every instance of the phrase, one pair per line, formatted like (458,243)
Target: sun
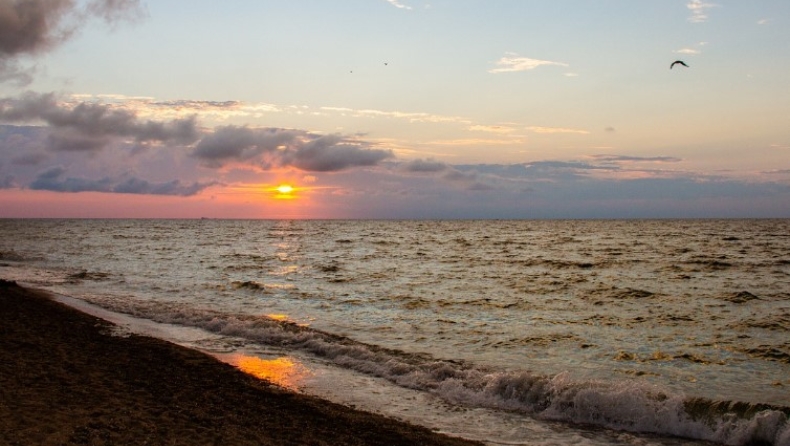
(285,189)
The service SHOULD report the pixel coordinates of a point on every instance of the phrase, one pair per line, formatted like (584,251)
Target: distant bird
(385,63)
(678,62)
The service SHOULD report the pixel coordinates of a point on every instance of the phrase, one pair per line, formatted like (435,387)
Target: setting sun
(285,189)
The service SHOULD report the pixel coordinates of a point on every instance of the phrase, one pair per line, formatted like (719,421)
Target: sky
(394,109)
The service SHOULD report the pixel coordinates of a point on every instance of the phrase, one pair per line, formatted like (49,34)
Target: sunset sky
(394,108)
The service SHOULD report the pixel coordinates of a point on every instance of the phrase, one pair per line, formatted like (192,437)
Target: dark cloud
(30,159)
(30,27)
(463,176)
(459,176)
(19,143)
(332,153)
(72,141)
(285,147)
(27,107)
(538,170)
(623,158)
(469,179)
(552,166)
(90,126)
(138,186)
(53,180)
(566,170)
(424,166)
(232,143)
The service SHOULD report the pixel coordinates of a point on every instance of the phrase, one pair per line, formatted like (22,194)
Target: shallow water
(616,324)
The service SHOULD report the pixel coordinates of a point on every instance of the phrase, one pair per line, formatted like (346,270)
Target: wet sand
(64,380)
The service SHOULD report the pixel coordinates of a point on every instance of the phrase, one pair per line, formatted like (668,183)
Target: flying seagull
(678,62)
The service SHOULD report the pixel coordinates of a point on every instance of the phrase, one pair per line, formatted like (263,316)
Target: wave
(13,256)
(629,405)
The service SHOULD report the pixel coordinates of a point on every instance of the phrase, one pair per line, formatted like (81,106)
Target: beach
(65,378)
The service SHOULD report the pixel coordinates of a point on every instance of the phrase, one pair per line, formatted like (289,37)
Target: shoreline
(64,379)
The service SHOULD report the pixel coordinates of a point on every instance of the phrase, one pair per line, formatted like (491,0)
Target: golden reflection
(278,317)
(284,371)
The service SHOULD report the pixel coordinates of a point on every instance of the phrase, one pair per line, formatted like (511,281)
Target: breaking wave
(629,405)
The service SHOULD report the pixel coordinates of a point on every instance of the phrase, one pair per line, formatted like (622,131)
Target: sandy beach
(65,380)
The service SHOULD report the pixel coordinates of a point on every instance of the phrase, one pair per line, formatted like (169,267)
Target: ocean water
(513,332)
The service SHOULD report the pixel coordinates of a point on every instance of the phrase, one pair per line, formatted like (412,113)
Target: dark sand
(64,380)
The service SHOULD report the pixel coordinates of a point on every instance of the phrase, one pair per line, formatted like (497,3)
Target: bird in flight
(678,62)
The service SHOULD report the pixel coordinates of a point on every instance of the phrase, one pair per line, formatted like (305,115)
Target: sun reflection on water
(284,371)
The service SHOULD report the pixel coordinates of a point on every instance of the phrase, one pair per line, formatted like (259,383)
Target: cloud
(600,185)
(113,11)
(226,110)
(52,180)
(31,27)
(552,168)
(398,4)
(693,50)
(424,166)
(273,147)
(12,72)
(699,10)
(138,186)
(232,143)
(512,62)
(79,135)
(491,128)
(625,158)
(330,153)
(466,178)
(90,126)
(410,116)
(474,142)
(538,129)
(29,159)
(212,111)
(601,168)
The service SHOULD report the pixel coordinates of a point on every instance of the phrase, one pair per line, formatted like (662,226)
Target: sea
(585,332)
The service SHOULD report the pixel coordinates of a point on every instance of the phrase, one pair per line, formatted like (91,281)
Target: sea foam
(624,404)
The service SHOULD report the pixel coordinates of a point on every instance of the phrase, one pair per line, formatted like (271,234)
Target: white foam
(629,405)
(368,393)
